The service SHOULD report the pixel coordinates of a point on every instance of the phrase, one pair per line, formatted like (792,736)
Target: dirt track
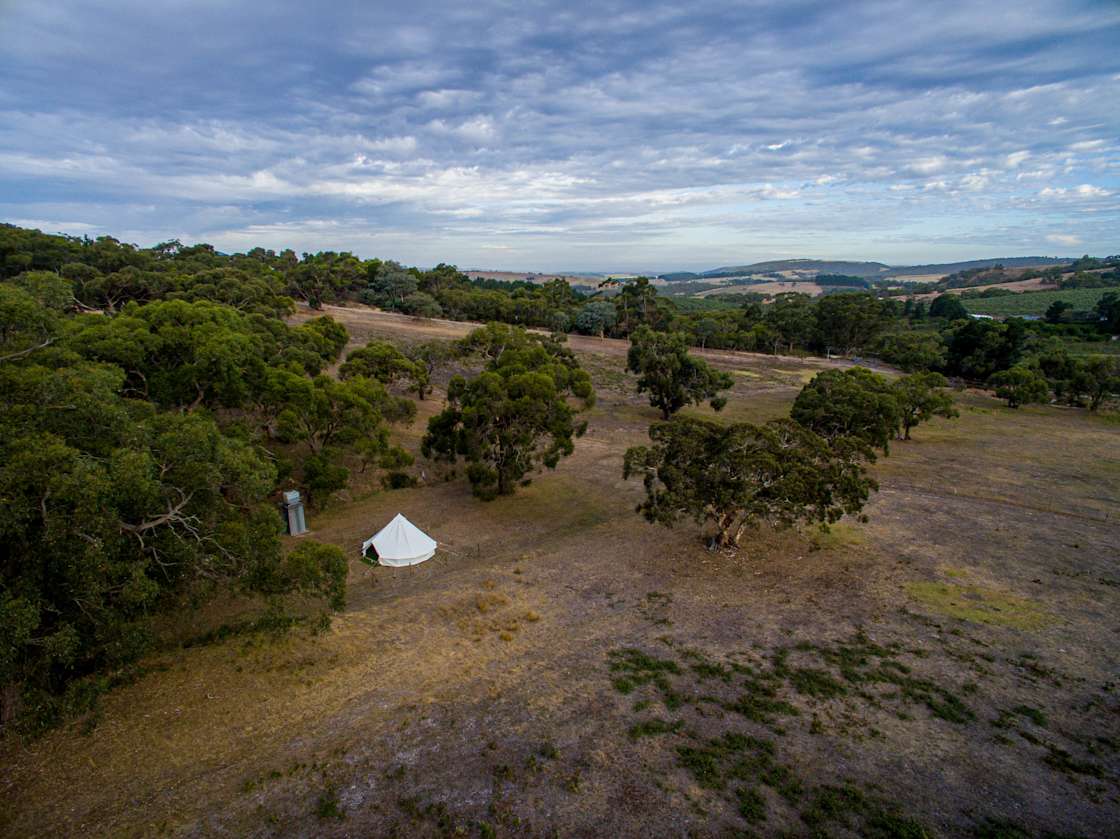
(364,322)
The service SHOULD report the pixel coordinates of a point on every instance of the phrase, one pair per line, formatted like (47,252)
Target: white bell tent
(400,543)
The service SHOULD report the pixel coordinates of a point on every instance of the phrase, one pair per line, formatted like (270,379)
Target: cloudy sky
(568,136)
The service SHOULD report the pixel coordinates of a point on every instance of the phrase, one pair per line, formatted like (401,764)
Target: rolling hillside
(863,269)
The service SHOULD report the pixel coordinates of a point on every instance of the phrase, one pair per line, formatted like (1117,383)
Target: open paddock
(564,668)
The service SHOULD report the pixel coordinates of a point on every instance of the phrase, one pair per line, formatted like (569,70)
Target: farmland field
(1035,302)
(770,288)
(948,668)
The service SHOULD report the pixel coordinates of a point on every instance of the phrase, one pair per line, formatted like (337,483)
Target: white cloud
(1066,239)
(480,129)
(446,98)
(929,165)
(74,228)
(771,191)
(975,181)
(1082,191)
(399,145)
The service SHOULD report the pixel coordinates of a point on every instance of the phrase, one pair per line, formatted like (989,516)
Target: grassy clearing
(560,504)
(980,605)
(836,536)
(760,406)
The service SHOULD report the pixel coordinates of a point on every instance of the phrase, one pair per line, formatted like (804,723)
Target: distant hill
(822,266)
(866,270)
(954,267)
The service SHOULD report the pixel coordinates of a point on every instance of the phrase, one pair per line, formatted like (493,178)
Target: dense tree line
(152,403)
(106,275)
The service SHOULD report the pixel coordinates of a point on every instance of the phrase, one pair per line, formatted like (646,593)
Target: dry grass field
(562,668)
(1018,286)
(770,289)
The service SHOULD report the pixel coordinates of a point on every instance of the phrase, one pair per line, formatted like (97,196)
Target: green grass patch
(737,767)
(864,663)
(654,727)
(980,605)
(859,813)
(738,763)
(1035,302)
(836,536)
(760,702)
(816,683)
(752,806)
(634,668)
(1062,761)
(327,806)
(1033,714)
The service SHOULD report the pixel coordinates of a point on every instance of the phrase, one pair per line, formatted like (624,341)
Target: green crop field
(1035,302)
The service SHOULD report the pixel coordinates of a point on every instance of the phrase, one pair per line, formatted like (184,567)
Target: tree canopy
(515,416)
(115,512)
(1020,385)
(147,402)
(921,397)
(733,477)
(912,351)
(948,307)
(850,321)
(670,375)
(849,403)
(382,362)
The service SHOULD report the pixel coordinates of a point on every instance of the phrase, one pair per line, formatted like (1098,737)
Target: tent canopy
(400,543)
